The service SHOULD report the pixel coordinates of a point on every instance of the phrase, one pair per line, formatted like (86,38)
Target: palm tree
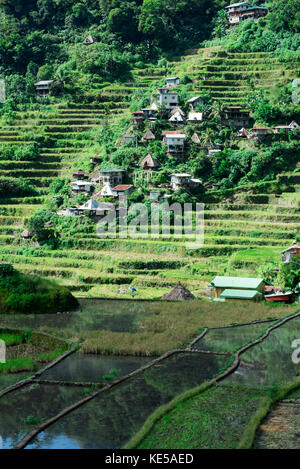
(217,109)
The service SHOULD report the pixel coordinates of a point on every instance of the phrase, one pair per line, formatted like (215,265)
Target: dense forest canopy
(43,39)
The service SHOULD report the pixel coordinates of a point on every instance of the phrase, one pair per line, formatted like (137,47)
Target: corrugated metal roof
(240,294)
(247,283)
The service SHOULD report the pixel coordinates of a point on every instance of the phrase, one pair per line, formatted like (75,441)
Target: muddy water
(112,418)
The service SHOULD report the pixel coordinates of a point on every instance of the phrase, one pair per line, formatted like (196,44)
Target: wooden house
(123,189)
(26,234)
(239,116)
(138,117)
(291,127)
(43,88)
(80,174)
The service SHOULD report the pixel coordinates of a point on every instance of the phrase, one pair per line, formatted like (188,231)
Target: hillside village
(149,226)
(165,139)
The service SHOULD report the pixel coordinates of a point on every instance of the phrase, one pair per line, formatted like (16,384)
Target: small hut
(179,293)
(149,162)
(80,174)
(89,40)
(148,136)
(195,139)
(26,234)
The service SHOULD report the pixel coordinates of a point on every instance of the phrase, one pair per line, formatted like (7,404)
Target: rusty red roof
(171,132)
(122,187)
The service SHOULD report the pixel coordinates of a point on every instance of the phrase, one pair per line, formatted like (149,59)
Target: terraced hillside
(254,226)
(230,76)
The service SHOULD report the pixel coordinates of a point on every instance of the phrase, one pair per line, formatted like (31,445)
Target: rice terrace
(149,225)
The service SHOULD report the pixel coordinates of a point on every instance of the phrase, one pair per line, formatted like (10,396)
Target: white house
(68,212)
(288,254)
(81,186)
(167,98)
(195,116)
(213,151)
(260,131)
(179,180)
(129,139)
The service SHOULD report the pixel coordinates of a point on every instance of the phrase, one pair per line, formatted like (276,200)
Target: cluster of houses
(259,132)
(242,11)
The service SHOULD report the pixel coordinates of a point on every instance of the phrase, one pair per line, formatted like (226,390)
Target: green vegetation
(206,420)
(24,294)
(16,365)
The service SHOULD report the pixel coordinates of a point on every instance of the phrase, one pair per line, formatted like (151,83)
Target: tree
(285,15)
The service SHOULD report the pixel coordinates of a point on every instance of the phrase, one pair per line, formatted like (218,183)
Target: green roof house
(252,295)
(238,288)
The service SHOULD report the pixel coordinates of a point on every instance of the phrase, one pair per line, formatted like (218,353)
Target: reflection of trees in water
(112,418)
(39,401)
(273,356)
(227,339)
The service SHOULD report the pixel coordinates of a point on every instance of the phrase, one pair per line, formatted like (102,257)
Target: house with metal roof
(172,81)
(43,88)
(111,176)
(221,283)
(238,295)
(288,254)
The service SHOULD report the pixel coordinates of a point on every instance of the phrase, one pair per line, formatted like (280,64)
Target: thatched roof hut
(179,293)
(89,40)
(195,138)
(148,136)
(149,162)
